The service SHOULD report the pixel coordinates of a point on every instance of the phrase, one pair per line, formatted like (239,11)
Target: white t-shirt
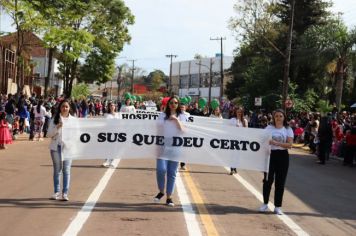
(128,109)
(238,123)
(112,116)
(216,117)
(280,135)
(170,127)
(40,114)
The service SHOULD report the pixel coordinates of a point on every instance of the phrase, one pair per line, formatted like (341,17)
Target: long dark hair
(39,104)
(108,107)
(168,109)
(285,123)
(58,111)
(2,115)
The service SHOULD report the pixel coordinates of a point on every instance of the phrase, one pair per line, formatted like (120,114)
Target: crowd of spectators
(331,134)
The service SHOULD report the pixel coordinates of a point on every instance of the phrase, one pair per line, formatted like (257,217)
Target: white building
(40,71)
(192,77)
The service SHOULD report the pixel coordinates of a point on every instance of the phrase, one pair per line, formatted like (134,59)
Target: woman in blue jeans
(171,124)
(59,166)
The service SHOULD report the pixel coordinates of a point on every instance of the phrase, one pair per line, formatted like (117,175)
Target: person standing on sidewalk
(5,136)
(282,140)
(325,136)
(171,123)
(60,166)
(350,148)
(40,112)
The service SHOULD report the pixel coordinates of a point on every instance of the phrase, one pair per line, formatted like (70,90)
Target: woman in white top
(39,114)
(238,121)
(60,166)
(171,122)
(216,113)
(127,107)
(282,140)
(112,114)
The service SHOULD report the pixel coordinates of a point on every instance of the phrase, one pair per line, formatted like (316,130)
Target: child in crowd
(16,127)
(5,136)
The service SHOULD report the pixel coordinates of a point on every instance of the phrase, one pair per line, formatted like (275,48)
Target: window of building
(216,79)
(194,81)
(205,80)
(184,81)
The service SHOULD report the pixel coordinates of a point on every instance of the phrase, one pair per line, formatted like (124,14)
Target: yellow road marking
(198,201)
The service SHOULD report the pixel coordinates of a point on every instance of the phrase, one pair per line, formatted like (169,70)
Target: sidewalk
(305,149)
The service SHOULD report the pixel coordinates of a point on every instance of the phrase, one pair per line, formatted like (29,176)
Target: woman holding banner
(171,124)
(59,165)
(238,121)
(282,140)
(111,114)
(127,107)
(216,113)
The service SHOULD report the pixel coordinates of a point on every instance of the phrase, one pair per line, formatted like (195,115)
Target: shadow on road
(329,189)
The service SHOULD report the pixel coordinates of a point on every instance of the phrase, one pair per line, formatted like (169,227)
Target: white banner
(139,136)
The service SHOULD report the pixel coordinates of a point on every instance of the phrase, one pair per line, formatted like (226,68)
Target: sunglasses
(173,103)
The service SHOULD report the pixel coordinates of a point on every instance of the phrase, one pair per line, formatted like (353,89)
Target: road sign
(258,101)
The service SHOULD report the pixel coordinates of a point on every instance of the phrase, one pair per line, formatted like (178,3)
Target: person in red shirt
(350,149)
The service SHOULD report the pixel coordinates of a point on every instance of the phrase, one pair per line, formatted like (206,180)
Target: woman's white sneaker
(278,211)
(55,196)
(263,208)
(65,197)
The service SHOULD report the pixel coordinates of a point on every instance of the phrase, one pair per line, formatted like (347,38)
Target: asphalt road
(320,200)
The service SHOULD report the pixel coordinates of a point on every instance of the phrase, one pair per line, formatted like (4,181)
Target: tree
(99,67)
(255,21)
(26,20)
(262,28)
(155,78)
(307,13)
(335,42)
(78,27)
(80,91)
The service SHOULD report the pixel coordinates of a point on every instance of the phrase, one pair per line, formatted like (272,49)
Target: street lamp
(210,77)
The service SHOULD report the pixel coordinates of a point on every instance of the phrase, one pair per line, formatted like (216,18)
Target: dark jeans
(349,154)
(278,169)
(324,151)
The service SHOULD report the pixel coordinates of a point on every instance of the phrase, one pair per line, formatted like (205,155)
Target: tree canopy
(322,56)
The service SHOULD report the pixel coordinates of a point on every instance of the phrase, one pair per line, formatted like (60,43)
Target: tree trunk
(339,83)
(66,80)
(49,71)
(73,75)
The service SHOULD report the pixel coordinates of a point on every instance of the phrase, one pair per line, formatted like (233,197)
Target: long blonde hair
(241,118)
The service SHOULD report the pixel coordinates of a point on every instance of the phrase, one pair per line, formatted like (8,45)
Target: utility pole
(210,76)
(210,79)
(119,81)
(170,74)
(132,76)
(221,66)
(287,58)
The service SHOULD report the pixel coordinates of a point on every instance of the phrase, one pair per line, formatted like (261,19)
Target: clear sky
(184,28)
